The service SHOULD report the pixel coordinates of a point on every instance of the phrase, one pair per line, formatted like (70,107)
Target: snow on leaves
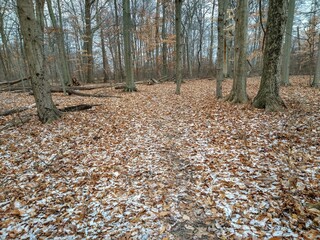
(153,165)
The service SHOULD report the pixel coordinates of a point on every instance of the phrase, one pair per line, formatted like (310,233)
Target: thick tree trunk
(316,79)
(220,53)
(178,5)
(238,93)
(268,96)
(130,85)
(284,81)
(33,45)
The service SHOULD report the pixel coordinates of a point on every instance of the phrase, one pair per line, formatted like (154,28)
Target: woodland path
(153,165)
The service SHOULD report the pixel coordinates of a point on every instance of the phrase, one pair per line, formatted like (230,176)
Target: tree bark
(268,95)
(118,48)
(88,42)
(5,56)
(178,5)
(211,36)
(157,37)
(284,81)
(33,45)
(316,79)
(238,93)
(105,64)
(164,40)
(130,85)
(61,46)
(220,53)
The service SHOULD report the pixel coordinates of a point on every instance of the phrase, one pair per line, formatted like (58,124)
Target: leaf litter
(154,165)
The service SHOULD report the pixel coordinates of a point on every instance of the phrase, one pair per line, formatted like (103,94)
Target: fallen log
(77,108)
(12,111)
(163,78)
(15,122)
(16,110)
(74,92)
(69,91)
(15,81)
(123,85)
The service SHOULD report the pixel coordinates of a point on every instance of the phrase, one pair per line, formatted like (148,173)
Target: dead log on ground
(163,78)
(15,81)
(15,122)
(16,110)
(77,108)
(69,91)
(12,111)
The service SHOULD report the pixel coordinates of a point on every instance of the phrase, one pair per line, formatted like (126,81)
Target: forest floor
(154,165)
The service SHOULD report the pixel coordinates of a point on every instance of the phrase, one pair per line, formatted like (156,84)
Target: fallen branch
(15,122)
(163,78)
(15,81)
(69,91)
(80,107)
(12,111)
(59,89)
(16,110)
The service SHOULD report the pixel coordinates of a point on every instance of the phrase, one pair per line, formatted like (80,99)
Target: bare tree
(88,42)
(32,32)
(118,48)
(287,45)
(316,79)
(268,95)
(178,6)
(130,85)
(58,29)
(238,93)
(211,35)
(164,39)
(220,53)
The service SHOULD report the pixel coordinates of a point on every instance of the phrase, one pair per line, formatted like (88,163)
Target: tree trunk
(284,81)
(164,39)
(211,36)
(220,53)
(130,85)
(88,42)
(105,64)
(268,95)
(157,38)
(33,45)
(178,5)
(106,68)
(4,53)
(316,79)
(64,67)
(201,18)
(238,93)
(118,49)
